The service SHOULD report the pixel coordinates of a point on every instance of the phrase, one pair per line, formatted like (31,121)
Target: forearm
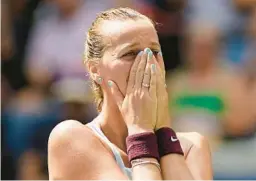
(174,167)
(143,168)
(196,164)
(172,160)
(146,171)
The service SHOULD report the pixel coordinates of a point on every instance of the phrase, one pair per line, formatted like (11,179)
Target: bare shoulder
(75,153)
(70,133)
(72,147)
(193,140)
(70,137)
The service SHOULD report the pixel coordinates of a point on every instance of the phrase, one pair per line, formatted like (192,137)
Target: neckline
(110,144)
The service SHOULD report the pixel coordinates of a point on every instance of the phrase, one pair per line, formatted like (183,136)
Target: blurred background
(209,48)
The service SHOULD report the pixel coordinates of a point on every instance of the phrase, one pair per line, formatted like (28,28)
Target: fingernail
(153,67)
(150,54)
(160,54)
(110,83)
(147,50)
(140,52)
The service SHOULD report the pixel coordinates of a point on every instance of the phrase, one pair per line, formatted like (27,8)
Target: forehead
(119,32)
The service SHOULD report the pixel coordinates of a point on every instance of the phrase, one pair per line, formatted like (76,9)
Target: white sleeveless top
(118,158)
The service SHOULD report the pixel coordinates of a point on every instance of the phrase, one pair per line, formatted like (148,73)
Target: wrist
(162,126)
(168,142)
(134,129)
(165,124)
(142,145)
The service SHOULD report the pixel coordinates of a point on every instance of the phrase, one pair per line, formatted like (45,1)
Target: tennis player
(132,137)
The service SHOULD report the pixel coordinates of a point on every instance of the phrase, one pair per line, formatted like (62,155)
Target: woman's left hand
(163,117)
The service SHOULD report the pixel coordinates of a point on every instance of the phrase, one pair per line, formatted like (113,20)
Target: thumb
(118,96)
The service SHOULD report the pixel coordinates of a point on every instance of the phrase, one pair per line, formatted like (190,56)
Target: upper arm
(75,153)
(199,158)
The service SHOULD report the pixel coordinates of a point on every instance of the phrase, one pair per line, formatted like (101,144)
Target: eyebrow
(155,44)
(128,46)
(132,45)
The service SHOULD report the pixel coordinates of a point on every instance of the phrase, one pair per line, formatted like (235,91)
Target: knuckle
(146,98)
(133,72)
(137,92)
(140,69)
(146,74)
(142,96)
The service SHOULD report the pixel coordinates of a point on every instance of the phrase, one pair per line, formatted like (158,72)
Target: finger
(132,76)
(146,77)
(141,68)
(152,88)
(147,72)
(159,65)
(118,96)
(160,61)
(160,80)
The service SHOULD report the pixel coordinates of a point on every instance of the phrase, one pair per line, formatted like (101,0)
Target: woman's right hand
(138,107)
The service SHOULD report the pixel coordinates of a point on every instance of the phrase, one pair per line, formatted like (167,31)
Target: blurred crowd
(209,48)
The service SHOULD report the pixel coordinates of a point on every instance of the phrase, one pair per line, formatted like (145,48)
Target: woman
(124,59)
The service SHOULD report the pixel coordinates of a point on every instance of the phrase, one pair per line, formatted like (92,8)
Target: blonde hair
(95,45)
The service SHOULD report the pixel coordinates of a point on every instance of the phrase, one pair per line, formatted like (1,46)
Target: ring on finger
(145,85)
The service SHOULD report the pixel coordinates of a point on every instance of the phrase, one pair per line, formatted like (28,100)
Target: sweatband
(142,145)
(168,142)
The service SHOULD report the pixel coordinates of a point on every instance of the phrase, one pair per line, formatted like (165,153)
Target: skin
(71,158)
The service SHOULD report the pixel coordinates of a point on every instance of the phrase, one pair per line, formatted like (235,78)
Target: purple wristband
(168,142)
(142,145)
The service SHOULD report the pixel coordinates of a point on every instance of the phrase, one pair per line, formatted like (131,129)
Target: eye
(131,53)
(135,53)
(155,52)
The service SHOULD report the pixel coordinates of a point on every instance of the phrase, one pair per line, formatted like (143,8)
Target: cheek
(118,71)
